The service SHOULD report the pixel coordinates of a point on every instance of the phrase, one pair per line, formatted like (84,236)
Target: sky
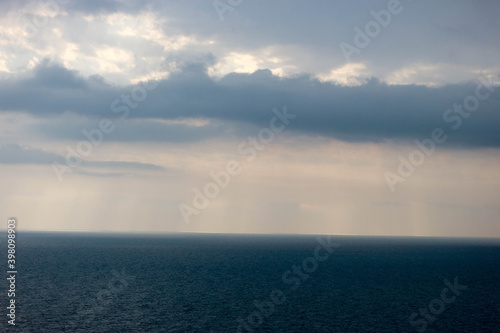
(239,116)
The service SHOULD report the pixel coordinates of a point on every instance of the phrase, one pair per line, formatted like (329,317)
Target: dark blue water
(230,283)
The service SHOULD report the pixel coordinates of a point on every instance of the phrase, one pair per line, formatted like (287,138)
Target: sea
(80,282)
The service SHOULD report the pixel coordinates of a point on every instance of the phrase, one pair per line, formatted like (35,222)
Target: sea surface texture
(253,283)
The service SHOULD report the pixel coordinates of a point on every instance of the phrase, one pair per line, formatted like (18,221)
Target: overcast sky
(339,117)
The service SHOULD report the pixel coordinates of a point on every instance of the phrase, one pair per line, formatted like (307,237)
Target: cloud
(372,111)
(456,37)
(106,174)
(71,126)
(123,164)
(16,154)
(218,82)
(96,6)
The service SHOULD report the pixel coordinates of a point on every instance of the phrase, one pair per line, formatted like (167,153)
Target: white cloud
(351,74)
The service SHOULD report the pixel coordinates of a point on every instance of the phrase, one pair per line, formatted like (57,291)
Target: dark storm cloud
(373,111)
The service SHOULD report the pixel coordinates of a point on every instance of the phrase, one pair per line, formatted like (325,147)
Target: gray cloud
(106,174)
(456,38)
(71,126)
(373,111)
(204,107)
(96,6)
(16,154)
